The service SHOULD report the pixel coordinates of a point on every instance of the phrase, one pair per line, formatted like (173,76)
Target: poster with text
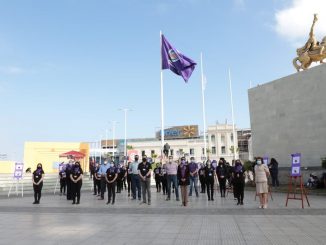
(296,165)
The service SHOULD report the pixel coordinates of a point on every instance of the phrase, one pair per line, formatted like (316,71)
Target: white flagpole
(203,100)
(233,127)
(162,105)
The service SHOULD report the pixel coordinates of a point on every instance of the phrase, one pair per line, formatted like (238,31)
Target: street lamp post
(125,142)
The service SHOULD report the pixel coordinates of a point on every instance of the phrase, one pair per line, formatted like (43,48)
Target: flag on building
(175,61)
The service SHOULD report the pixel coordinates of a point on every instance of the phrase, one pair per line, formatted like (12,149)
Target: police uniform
(63,178)
(68,181)
(121,174)
(221,172)
(157,173)
(164,181)
(37,176)
(97,181)
(75,187)
(129,178)
(202,179)
(144,168)
(209,179)
(111,174)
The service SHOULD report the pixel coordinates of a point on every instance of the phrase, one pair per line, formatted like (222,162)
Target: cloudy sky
(67,66)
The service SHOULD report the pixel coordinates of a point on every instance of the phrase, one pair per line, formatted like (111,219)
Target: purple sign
(296,165)
(18,173)
(265,160)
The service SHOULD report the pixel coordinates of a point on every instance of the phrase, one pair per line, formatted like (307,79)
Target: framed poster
(18,172)
(296,165)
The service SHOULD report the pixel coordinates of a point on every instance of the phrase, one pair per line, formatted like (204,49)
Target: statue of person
(312,44)
(166,149)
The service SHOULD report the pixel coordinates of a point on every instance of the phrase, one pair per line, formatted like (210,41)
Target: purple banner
(296,165)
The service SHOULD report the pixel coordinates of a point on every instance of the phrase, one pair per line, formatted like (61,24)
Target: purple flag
(175,61)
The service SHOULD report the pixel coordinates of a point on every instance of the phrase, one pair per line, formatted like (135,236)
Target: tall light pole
(113,136)
(125,110)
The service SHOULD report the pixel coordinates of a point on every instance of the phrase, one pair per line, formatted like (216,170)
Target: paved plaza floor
(57,221)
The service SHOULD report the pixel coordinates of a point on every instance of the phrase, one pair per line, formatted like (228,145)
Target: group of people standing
(168,178)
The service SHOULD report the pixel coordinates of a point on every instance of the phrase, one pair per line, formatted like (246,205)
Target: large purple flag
(175,61)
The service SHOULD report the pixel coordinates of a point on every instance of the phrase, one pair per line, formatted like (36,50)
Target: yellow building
(48,153)
(7,167)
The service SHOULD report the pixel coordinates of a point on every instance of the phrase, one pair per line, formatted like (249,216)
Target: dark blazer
(187,176)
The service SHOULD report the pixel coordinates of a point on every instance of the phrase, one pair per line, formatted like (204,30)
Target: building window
(171,152)
(213,138)
(143,153)
(192,151)
(223,139)
(214,150)
(223,149)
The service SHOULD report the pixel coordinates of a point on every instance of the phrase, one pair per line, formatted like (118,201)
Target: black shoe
(112,203)
(35,202)
(212,199)
(241,203)
(238,203)
(94,194)
(77,203)
(178,199)
(73,203)
(209,199)
(101,198)
(108,202)
(167,199)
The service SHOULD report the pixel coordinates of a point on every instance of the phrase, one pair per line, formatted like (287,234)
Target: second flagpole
(162,101)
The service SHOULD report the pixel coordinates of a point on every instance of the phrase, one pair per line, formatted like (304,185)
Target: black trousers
(238,189)
(202,183)
(129,183)
(164,184)
(37,192)
(222,182)
(210,188)
(68,181)
(75,190)
(111,192)
(97,186)
(158,184)
(63,185)
(103,186)
(119,185)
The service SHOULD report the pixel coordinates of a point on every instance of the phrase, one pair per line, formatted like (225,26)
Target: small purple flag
(175,61)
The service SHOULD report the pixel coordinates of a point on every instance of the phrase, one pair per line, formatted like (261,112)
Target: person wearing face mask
(62,176)
(184,180)
(69,168)
(221,172)
(37,179)
(172,169)
(111,177)
(157,175)
(209,177)
(261,174)
(121,174)
(144,171)
(76,177)
(102,171)
(164,180)
(129,178)
(135,182)
(97,180)
(202,178)
(193,171)
(238,181)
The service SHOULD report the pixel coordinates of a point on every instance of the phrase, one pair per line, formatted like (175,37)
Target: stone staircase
(49,184)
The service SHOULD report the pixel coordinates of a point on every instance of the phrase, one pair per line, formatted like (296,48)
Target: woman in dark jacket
(238,181)
(273,169)
(183,180)
(76,178)
(38,176)
(210,174)
(221,172)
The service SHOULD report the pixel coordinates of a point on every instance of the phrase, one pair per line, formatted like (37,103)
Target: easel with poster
(296,182)
(17,179)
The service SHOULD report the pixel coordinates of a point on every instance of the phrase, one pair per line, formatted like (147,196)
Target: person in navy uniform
(202,178)
(238,181)
(62,175)
(221,172)
(209,177)
(38,176)
(144,172)
(129,178)
(97,180)
(69,168)
(157,176)
(121,176)
(111,180)
(164,180)
(76,178)
(183,180)
(102,172)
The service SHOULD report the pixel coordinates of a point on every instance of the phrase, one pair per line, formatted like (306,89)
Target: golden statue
(312,51)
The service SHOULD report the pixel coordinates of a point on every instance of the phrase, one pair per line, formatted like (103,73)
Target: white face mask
(112,165)
(259,162)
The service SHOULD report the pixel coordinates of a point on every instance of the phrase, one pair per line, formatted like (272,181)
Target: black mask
(136,158)
(144,160)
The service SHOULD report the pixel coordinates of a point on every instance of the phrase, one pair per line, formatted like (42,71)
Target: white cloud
(294,21)
(14,70)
